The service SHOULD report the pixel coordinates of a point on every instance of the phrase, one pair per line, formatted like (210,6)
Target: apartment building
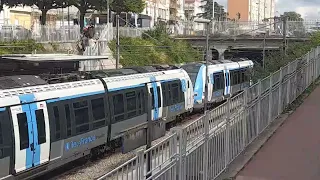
(168,11)
(251,10)
(24,16)
(191,9)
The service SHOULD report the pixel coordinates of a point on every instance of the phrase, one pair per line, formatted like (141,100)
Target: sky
(309,9)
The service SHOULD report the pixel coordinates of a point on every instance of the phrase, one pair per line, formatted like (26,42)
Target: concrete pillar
(221,53)
(210,54)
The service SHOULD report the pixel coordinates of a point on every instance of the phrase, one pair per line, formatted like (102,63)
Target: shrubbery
(155,47)
(20,47)
(275,60)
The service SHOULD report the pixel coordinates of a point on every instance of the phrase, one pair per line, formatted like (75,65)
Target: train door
(154,88)
(210,86)
(32,136)
(189,95)
(227,87)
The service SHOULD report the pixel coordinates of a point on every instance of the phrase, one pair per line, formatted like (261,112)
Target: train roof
(218,65)
(20,81)
(50,57)
(130,70)
(95,83)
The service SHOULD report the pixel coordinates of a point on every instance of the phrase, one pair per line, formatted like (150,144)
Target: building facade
(168,11)
(251,10)
(192,8)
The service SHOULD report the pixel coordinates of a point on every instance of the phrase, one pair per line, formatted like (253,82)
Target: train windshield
(192,70)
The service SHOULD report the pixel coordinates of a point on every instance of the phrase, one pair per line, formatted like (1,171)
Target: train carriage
(224,80)
(51,125)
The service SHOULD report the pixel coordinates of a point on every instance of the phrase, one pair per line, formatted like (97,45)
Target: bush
(155,47)
(20,47)
(274,61)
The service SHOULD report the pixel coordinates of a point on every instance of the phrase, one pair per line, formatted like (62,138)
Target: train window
(164,94)
(175,92)
(152,98)
(159,96)
(139,102)
(23,130)
(234,77)
(181,93)
(141,108)
(244,77)
(80,104)
(98,113)
(118,106)
(5,135)
(131,104)
(81,115)
(57,121)
(188,84)
(1,136)
(68,118)
(41,126)
(239,77)
(217,80)
(169,95)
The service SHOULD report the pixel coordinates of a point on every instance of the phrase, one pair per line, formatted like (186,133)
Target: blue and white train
(44,127)
(224,80)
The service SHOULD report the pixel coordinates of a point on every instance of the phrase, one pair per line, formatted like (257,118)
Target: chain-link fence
(207,146)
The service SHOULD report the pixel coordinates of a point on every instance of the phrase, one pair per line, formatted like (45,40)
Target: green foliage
(43,5)
(134,6)
(85,5)
(293,16)
(274,61)
(295,23)
(219,11)
(20,47)
(157,48)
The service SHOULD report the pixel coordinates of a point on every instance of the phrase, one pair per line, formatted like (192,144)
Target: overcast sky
(309,9)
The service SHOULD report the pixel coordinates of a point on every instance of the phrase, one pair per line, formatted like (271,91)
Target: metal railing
(297,29)
(206,147)
(62,34)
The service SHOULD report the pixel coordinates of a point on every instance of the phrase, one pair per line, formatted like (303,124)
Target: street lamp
(207,22)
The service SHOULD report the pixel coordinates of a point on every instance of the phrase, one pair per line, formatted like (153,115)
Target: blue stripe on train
(155,93)
(32,157)
(198,87)
(36,153)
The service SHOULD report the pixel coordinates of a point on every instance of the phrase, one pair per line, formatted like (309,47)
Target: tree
(10,3)
(295,24)
(134,6)
(44,6)
(207,9)
(293,16)
(85,5)
(219,11)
